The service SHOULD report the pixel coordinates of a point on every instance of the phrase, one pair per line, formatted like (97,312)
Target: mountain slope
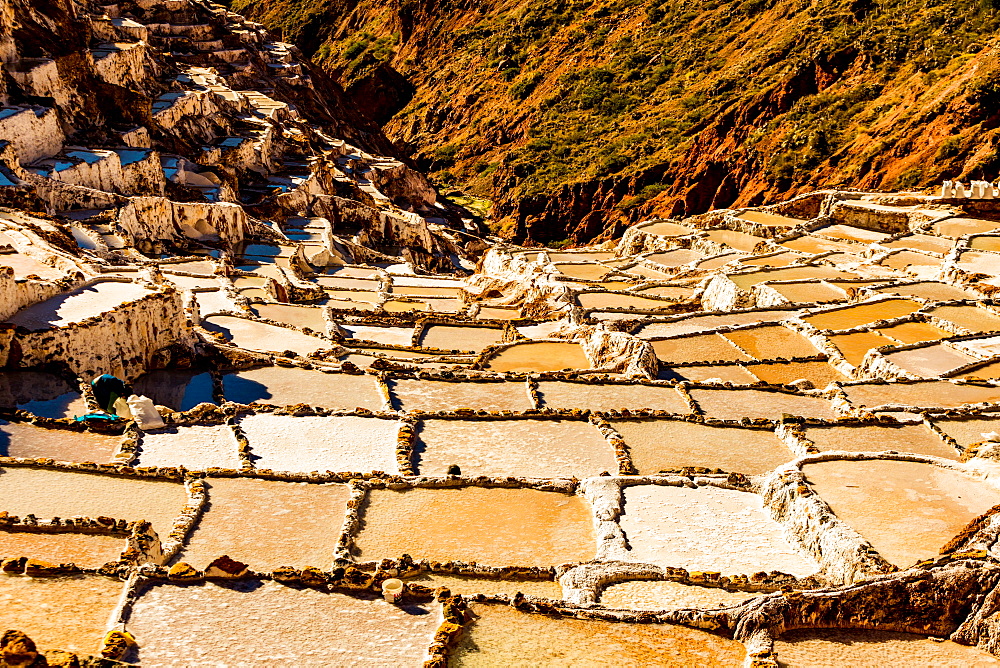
(577,117)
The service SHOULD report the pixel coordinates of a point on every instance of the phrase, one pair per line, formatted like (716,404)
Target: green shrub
(523,87)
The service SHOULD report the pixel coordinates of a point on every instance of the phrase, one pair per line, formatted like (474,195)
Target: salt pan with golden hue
(906,510)
(539,356)
(934,393)
(468,585)
(255,335)
(531,448)
(820,374)
(707,529)
(835,648)
(736,374)
(771,341)
(917,439)
(972,318)
(969,432)
(656,445)
(84,550)
(913,332)
(449,337)
(277,625)
(862,314)
(76,609)
(431,395)
(855,345)
(699,348)
(559,394)
(22,439)
(492,526)
(286,386)
(339,443)
(736,404)
(294,315)
(501,635)
(931,361)
(267,524)
(667,595)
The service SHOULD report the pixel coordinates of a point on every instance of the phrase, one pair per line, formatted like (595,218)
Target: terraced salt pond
(539,356)
(772,341)
(255,335)
(76,609)
(501,635)
(820,374)
(450,337)
(972,318)
(254,620)
(77,305)
(22,439)
(958,227)
(855,345)
(855,316)
(585,271)
(929,394)
(598,300)
(917,439)
(291,314)
(833,648)
(531,448)
(968,432)
(561,394)
(906,510)
(913,332)
(47,494)
(698,348)
(487,525)
(736,404)
(339,443)
(707,529)
(287,386)
(42,394)
(697,323)
(930,361)
(667,595)
(656,445)
(430,395)
(84,550)
(468,585)
(268,524)
(195,447)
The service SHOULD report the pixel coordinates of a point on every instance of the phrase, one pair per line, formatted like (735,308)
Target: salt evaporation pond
(933,393)
(698,348)
(451,337)
(493,526)
(712,373)
(193,447)
(855,346)
(917,439)
(539,356)
(930,361)
(596,300)
(906,510)
(48,494)
(501,635)
(927,290)
(391,336)
(265,623)
(968,432)
(23,439)
(913,332)
(76,609)
(294,315)
(855,316)
(835,648)
(255,335)
(697,323)
(667,595)
(656,445)
(339,443)
(77,305)
(707,529)
(737,404)
(179,389)
(598,397)
(771,341)
(268,524)
(84,550)
(287,386)
(820,374)
(41,394)
(431,395)
(972,318)
(530,448)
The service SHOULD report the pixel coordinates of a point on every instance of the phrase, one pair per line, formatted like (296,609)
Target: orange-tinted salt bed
(811,244)
(399,306)
(862,314)
(539,356)
(736,404)
(67,613)
(674,258)
(425,291)
(931,361)
(559,394)
(968,432)
(591,300)
(492,526)
(836,648)
(587,272)
(294,315)
(665,229)
(431,395)
(934,393)
(267,524)
(820,374)
(805,292)
(698,348)
(979,262)
(855,346)
(570,256)
(354,295)
(913,332)
(356,283)
(851,233)
(48,494)
(985,371)
(84,550)
(672,291)
(985,243)
(908,511)
(717,261)
(529,448)
(924,242)
(916,438)
(657,445)
(667,595)
(972,318)
(776,260)
(697,323)
(498,313)
(906,258)
(772,341)
(726,373)
(738,240)
(770,219)
(959,227)
(451,337)
(503,636)
(22,439)
(646,272)
(287,386)
(750,279)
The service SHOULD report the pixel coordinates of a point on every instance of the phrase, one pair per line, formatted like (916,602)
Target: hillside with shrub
(577,117)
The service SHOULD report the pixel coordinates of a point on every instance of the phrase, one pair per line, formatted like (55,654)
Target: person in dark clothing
(108,389)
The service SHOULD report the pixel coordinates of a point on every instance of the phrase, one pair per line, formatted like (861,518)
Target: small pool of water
(664,229)
(770,219)
(985,243)
(674,258)
(958,227)
(539,356)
